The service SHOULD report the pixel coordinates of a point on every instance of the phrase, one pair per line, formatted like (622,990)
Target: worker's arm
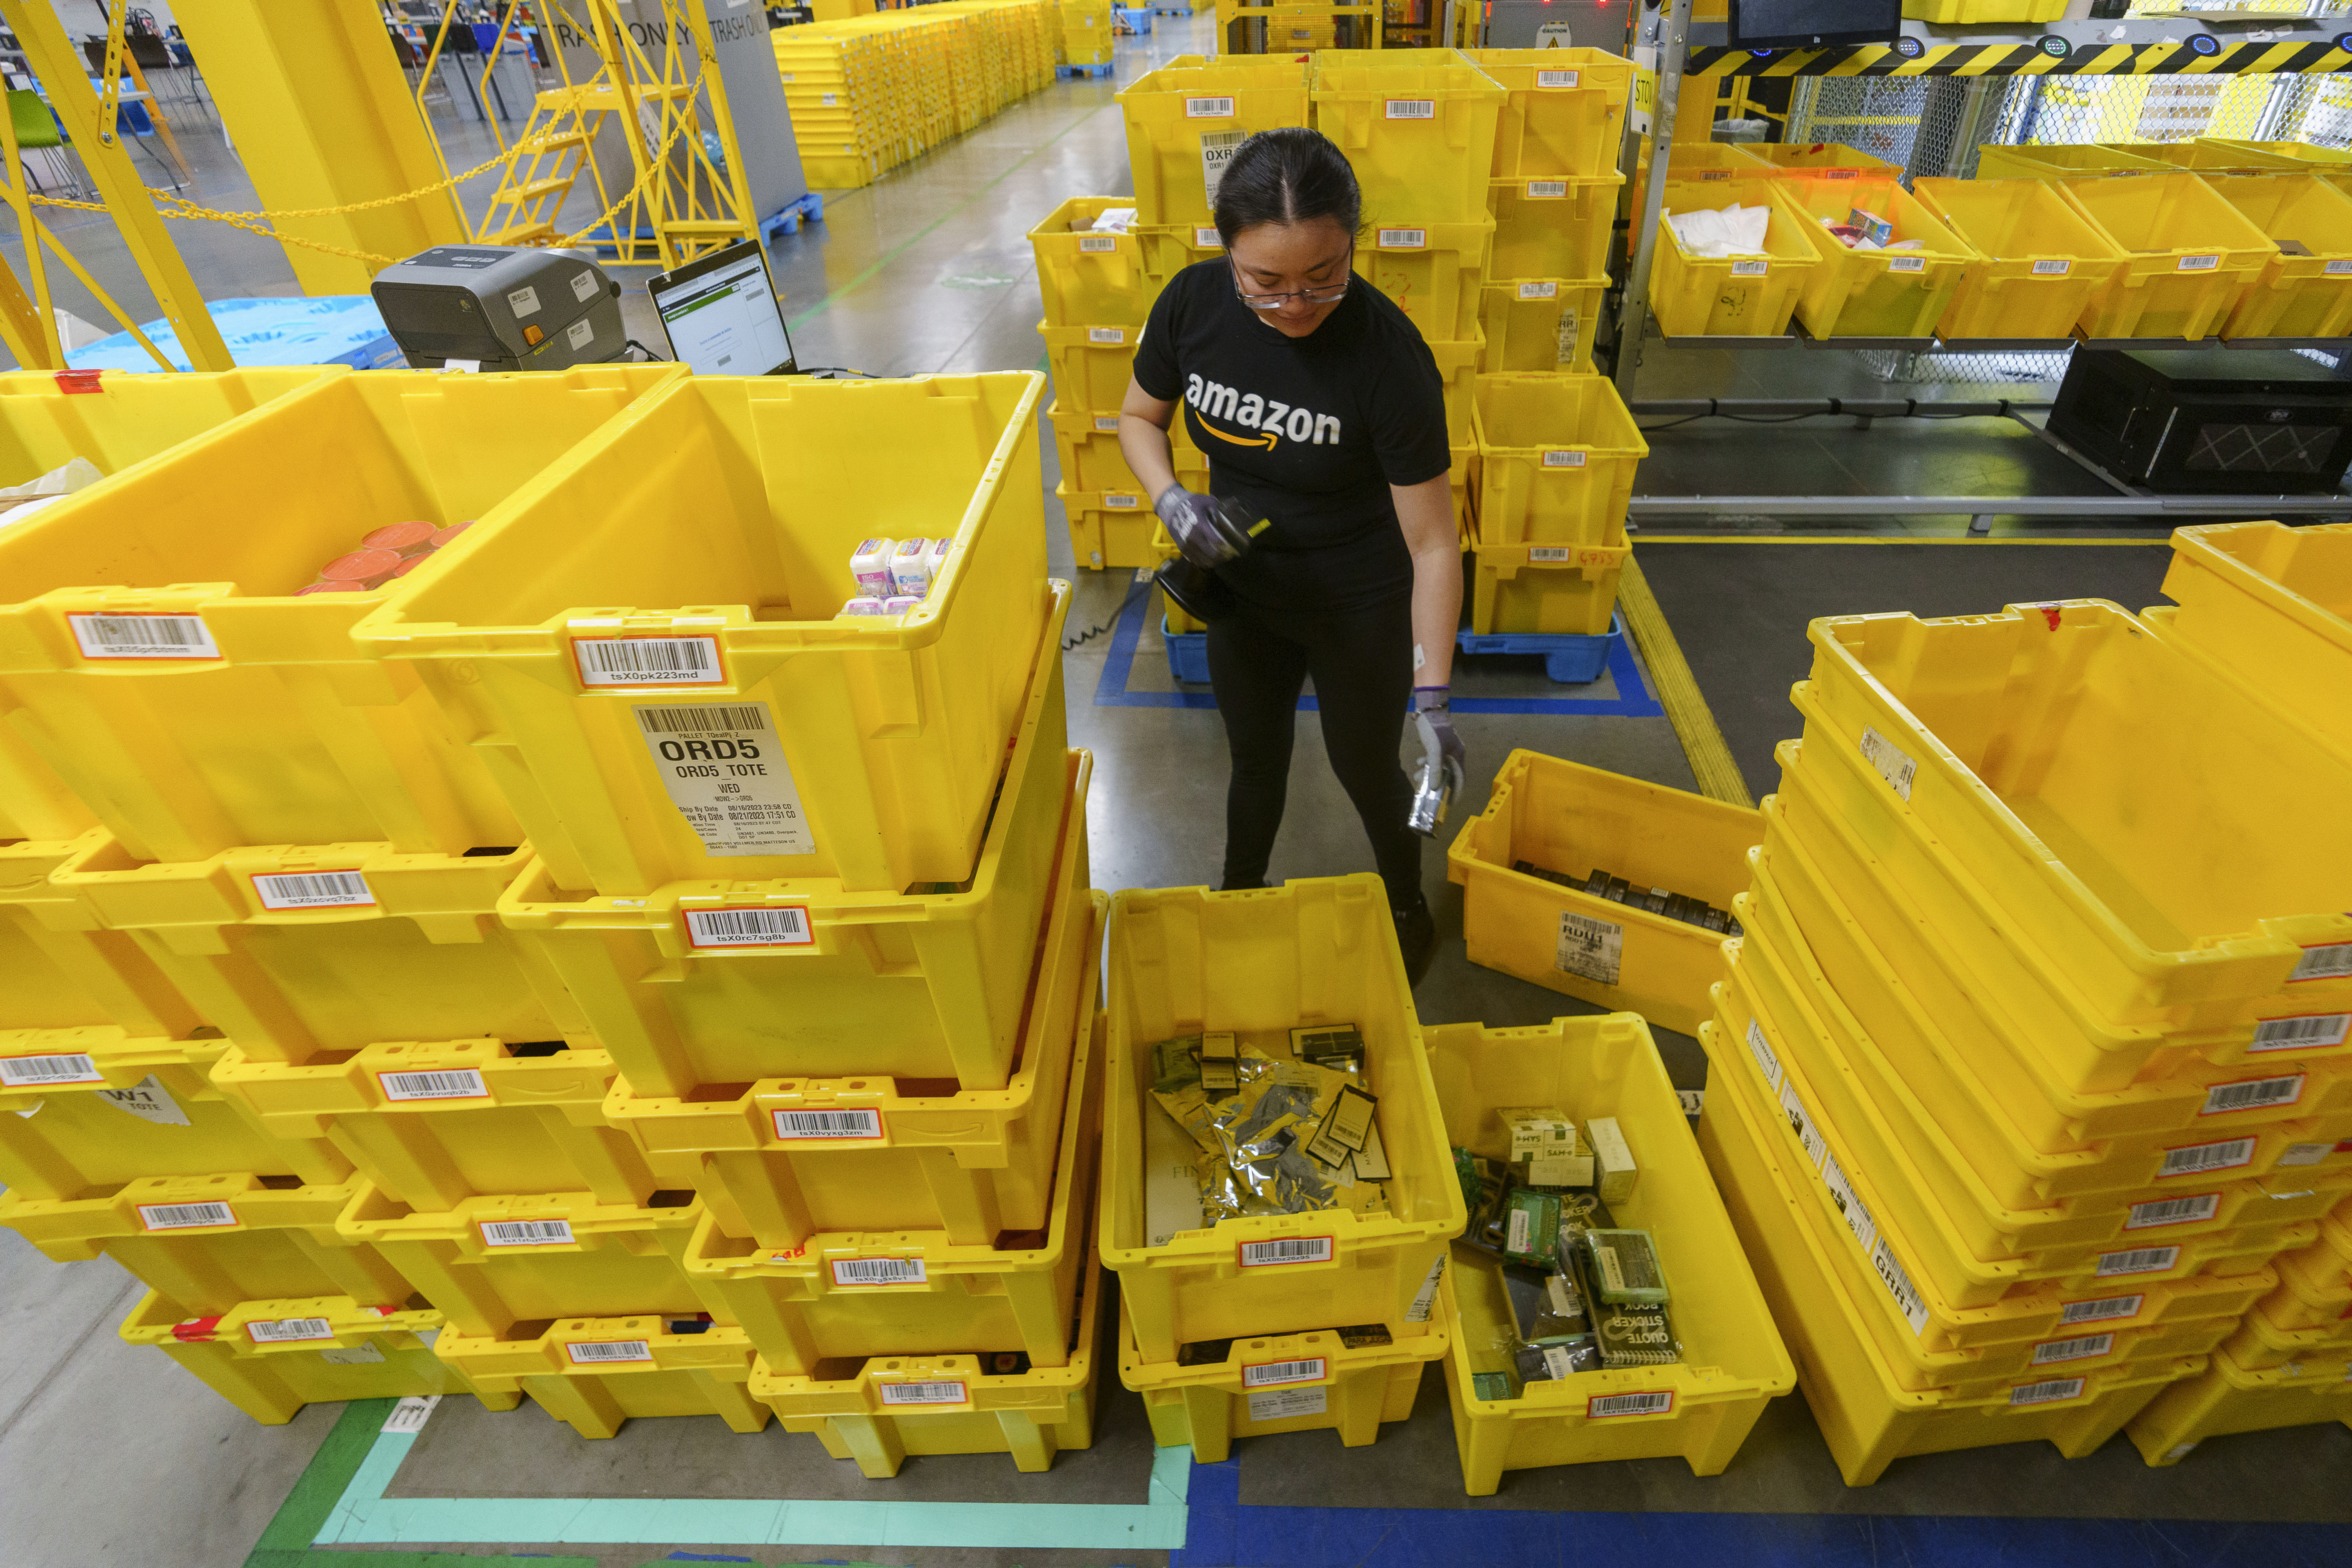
(1143,440)
(1425,510)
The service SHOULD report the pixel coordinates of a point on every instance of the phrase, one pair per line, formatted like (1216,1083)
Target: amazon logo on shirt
(1272,420)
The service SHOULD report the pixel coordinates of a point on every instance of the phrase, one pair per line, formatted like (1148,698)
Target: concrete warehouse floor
(110,1458)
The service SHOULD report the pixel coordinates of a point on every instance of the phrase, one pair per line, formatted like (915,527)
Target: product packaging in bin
(708,983)
(2271,606)
(1185,121)
(272,1358)
(2123,807)
(490,1263)
(1564,114)
(1528,862)
(670,596)
(158,655)
(1557,454)
(1417,124)
(434,1123)
(210,1243)
(1898,290)
(1349,1380)
(593,1374)
(293,951)
(1087,274)
(791,1157)
(2038,259)
(878,1410)
(95,1107)
(1318,953)
(1868,1419)
(1698,1407)
(2188,256)
(914,1292)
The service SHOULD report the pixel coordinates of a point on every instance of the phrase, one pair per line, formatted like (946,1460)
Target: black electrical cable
(1093,632)
(632,343)
(837,370)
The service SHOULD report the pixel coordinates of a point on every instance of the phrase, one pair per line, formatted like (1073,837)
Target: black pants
(1362,662)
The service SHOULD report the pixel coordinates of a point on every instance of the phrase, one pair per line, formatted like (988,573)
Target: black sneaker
(1416,931)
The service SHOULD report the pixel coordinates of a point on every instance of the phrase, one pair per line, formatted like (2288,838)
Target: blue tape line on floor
(1633,698)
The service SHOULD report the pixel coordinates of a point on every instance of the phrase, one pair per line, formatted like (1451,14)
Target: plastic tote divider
(668,596)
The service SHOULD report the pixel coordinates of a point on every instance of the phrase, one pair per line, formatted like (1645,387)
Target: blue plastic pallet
(1103,70)
(1173,10)
(810,209)
(1568,661)
(1188,654)
(1136,19)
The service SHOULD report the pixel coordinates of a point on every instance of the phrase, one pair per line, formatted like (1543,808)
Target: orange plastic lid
(359,565)
(400,536)
(412,564)
(330,588)
(444,536)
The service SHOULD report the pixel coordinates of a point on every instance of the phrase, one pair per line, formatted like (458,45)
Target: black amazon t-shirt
(1311,430)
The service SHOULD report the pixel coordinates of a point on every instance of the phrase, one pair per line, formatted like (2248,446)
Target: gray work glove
(1192,523)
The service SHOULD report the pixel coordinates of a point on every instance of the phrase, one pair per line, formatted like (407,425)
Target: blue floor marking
(1633,699)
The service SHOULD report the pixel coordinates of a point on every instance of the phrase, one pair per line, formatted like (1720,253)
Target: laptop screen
(721,314)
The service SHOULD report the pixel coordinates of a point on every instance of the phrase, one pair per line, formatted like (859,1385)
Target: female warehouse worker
(1322,412)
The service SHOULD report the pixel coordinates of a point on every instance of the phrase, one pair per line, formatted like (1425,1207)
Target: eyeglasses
(1323,296)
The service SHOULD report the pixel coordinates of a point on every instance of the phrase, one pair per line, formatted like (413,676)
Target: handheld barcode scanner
(1433,783)
(1195,589)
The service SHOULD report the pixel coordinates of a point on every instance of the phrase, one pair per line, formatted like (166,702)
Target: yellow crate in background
(593,1374)
(2188,256)
(1821,160)
(1565,113)
(293,951)
(2065,161)
(1087,443)
(891,1406)
(272,1358)
(2313,157)
(1184,121)
(922,985)
(2038,259)
(433,1123)
(1091,364)
(1260,964)
(1085,275)
(1732,296)
(2297,296)
(2029,743)
(2273,605)
(1417,124)
(1875,293)
(2259,1344)
(1868,1419)
(155,656)
(1566,817)
(2227,1398)
(1556,227)
(1430,271)
(1111,530)
(1548,589)
(1169,249)
(2209,156)
(1556,457)
(490,1263)
(1981,12)
(96,1107)
(2315,1282)
(1700,1409)
(1539,323)
(210,1243)
(570,612)
(1282,1383)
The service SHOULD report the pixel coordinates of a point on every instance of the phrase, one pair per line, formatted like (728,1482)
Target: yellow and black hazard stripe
(2200,55)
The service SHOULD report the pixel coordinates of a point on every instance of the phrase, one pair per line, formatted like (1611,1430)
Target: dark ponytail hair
(1290,174)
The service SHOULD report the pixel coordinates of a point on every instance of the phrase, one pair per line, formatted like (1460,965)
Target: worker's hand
(1434,703)
(1193,524)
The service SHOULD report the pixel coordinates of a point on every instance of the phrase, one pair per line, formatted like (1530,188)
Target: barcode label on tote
(866,1123)
(880,1271)
(1857,1215)
(2052,267)
(526,1232)
(1403,238)
(1897,1280)
(143,637)
(1556,78)
(1602,1406)
(33,1072)
(1107,335)
(1894,763)
(1554,457)
(1098,242)
(1208,108)
(596,1353)
(2139,1260)
(785,926)
(1119,500)
(1106,424)
(1286,1250)
(2253,1094)
(1907,264)
(1594,948)
(2105,1309)
(1836,174)
(1767,1061)
(2197,1157)
(1270,1373)
(314,890)
(1801,1122)
(1411,109)
(1539,291)
(287,1331)
(2049,1393)
(1539,189)
(2331,962)
(1549,555)
(2173,1211)
(2314,1032)
(649,661)
(2197,263)
(1754,267)
(2049,1352)
(1208,238)
(950,1390)
(724,772)
(464,1083)
(185,1217)
(2340,268)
